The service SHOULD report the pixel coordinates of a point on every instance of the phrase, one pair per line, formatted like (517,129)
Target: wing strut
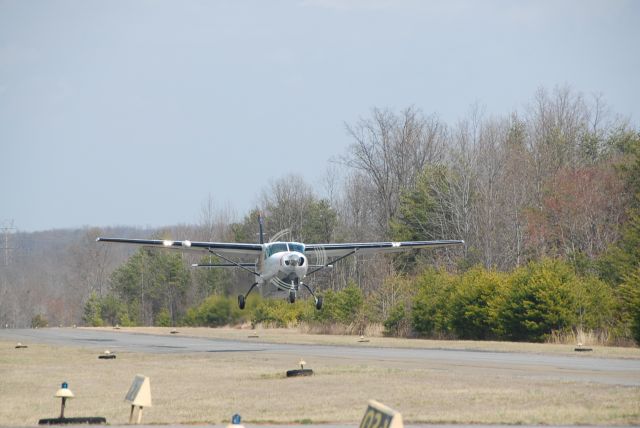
(332,262)
(233,262)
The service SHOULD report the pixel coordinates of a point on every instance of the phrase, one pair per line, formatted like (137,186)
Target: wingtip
(98,239)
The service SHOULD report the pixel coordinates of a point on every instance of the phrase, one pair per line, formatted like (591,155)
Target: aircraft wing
(224,248)
(338,250)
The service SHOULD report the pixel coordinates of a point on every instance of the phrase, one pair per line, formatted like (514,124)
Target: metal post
(64,400)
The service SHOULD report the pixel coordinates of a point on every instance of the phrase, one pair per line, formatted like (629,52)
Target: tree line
(556,184)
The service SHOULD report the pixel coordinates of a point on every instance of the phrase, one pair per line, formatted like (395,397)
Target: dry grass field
(210,387)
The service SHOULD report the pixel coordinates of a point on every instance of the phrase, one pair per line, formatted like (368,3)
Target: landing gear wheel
(319,303)
(241,301)
(292,296)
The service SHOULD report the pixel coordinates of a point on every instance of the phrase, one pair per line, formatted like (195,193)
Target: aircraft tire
(319,303)
(292,296)
(241,301)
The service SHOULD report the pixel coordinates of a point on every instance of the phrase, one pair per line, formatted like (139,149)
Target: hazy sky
(132,112)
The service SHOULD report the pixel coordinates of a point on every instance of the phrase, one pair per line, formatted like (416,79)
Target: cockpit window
(276,248)
(294,246)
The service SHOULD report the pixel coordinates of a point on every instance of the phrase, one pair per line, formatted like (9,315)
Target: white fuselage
(282,263)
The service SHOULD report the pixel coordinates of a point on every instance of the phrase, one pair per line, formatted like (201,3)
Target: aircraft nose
(294,260)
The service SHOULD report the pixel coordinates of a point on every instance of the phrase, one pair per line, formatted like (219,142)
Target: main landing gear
(318,299)
(242,299)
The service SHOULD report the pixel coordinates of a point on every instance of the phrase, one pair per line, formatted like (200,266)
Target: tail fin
(261,228)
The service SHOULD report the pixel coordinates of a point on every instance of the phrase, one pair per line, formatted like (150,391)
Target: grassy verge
(210,387)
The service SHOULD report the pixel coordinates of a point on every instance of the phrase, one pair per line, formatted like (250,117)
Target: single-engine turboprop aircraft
(284,264)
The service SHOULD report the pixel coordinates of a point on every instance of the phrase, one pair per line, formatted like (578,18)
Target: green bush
(279,312)
(93,311)
(595,304)
(344,307)
(113,311)
(349,302)
(215,311)
(39,321)
(429,315)
(125,321)
(630,304)
(396,323)
(472,305)
(163,318)
(539,300)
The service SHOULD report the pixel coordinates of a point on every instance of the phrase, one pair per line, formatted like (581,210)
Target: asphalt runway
(612,371)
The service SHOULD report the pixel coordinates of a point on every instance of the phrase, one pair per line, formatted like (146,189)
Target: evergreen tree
(150,281)
(539,300)
(92,311)
(621,264)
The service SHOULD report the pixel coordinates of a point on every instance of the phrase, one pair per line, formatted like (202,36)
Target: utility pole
(7,230)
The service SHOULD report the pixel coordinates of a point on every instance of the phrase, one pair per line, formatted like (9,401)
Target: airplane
(285,264)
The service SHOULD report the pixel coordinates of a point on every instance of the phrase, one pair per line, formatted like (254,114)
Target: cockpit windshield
(295,246)
(278,247)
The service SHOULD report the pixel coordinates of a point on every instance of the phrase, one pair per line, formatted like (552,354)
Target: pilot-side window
(276,248)
(294,246)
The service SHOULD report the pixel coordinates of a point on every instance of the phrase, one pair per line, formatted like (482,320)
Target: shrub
(595,304)
(215,311)
(93,312)
(279,312)
(396,290)
(112,310)
(538,301)
(429,314)
(348,304)
(163,318)
(39,321)
(630,302)
(345,306)
(397,323)
(472,309)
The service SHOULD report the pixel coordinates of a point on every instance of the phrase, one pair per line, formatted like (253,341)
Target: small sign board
(380,416)
(140,392)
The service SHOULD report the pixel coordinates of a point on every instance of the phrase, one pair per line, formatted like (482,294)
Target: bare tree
(391,151)
(90,261)
(286,202)
(556,125)
(215,220)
